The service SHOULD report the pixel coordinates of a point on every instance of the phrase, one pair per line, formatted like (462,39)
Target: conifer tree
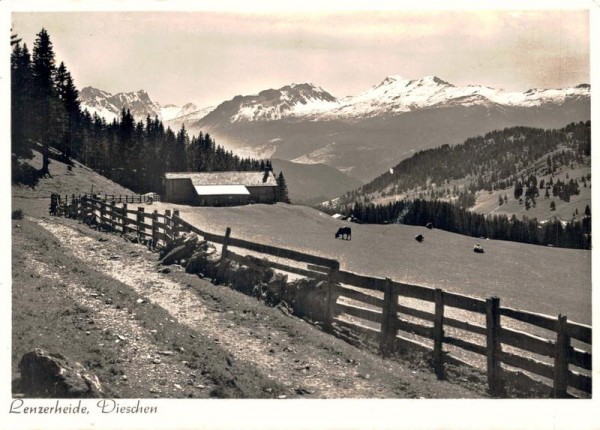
(69,95)
(282,190)
(48,115)
(181,144)
(21,98)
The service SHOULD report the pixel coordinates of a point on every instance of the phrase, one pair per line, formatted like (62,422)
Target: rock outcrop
(49,375)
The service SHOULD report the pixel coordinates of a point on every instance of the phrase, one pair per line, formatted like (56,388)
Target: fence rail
(554,358)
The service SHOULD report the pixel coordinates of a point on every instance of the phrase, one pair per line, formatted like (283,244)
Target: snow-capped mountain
(366,134)
(109,105)
(361,135)
(186,115)
(394,95)
(139,103)
(269,105)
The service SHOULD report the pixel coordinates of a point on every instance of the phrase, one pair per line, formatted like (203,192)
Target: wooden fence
(65,200)
(376,308)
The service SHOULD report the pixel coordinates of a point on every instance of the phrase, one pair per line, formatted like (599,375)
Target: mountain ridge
(393,95)
(366,134)
(140,104)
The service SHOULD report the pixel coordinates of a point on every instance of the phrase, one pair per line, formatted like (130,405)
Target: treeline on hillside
(46,110)
(450,217)
(490,162)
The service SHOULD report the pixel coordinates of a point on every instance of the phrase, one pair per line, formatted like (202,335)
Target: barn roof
(248,179)
(221,190)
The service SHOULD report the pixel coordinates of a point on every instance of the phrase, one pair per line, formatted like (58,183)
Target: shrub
(23,173)
(17,214)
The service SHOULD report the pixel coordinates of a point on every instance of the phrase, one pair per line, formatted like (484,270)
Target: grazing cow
(345,232)
(478,249)
(419,238)
(429,225)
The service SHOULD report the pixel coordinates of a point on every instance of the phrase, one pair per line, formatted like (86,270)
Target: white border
(300,414)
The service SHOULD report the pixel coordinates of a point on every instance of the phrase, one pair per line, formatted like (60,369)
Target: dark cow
(478,249)
(419,238)
(345,232)
(429,225)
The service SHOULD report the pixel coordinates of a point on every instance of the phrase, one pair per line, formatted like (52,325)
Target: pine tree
(21,99)
(14,39)
(48,115)
(518,190)
(181,144)
(282,190)
(69,95)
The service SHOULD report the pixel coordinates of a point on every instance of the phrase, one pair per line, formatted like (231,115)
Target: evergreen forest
(47,116)
(512,159)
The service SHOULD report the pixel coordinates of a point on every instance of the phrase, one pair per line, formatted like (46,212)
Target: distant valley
(361,136)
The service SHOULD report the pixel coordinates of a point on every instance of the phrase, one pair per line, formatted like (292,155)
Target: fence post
(125,218)
(112,216)
(140,221)
(175,225)
(154,228)
(561,365)
(388,319)
(225,244)
(493,346)
(332,296)
(168,224)
(221,270)
(438,334)
(102,212)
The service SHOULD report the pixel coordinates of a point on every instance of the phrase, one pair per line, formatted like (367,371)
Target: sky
(209,57)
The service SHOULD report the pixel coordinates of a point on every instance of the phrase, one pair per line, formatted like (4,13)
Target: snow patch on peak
(393,78)
(436,80)
(290,100)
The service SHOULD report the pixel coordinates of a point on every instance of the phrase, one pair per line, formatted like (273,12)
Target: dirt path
(121,330)
(291,353)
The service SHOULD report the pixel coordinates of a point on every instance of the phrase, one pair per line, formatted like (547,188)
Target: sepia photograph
(309,209)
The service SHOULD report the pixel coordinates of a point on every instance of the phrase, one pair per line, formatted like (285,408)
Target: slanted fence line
(379,307)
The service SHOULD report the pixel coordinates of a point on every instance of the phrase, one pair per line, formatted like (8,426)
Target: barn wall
(180,191)
(223,200)
(262,194)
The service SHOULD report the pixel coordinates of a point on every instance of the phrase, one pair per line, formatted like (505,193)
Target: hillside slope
(536,278)
(313,183)
(98,299)
(78,179)
(551,167)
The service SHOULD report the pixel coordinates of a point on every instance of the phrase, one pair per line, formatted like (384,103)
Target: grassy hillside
(487,203)
(491,166)
(77,179)
(537,278)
